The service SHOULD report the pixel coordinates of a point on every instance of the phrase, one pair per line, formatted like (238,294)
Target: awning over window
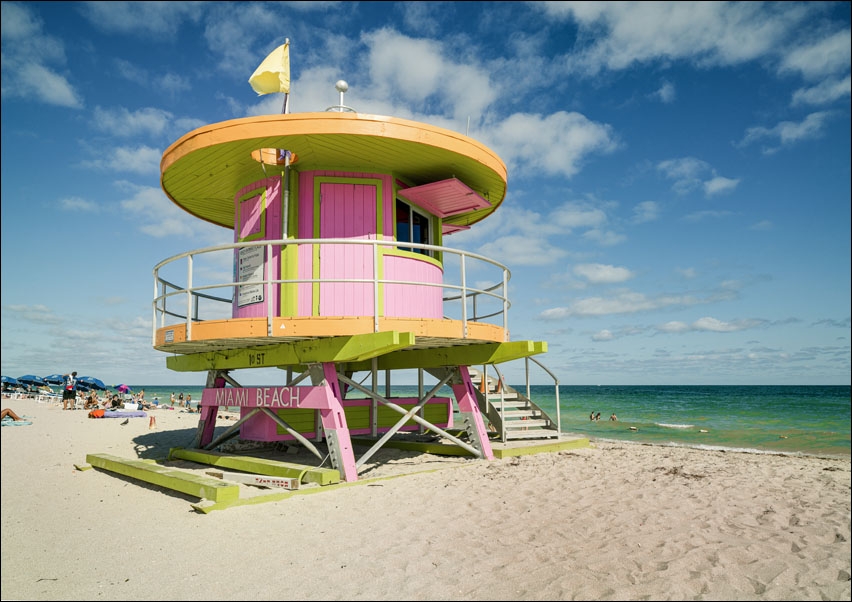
(450,228)
(444,198)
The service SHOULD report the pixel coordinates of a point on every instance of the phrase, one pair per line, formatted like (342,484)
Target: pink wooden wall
(347,209)
(410,301)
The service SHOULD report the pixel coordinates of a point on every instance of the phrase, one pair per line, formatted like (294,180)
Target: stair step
(541,434)
(496,397)
(525,424)
(518,414)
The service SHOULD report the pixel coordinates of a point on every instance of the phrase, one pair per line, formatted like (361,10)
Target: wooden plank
(439,449)
(263,466)
(256,479)
(170,478)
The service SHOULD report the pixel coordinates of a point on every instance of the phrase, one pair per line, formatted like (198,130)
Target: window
(412,226)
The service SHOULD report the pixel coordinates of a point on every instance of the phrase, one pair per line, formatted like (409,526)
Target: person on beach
(597,416)
(8,412)
(172,399)
(592,416)
(189,401)
(180,399)
(613,418)
(91,401)
(69,391)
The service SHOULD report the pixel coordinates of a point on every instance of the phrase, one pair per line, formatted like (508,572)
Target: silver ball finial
(341,86)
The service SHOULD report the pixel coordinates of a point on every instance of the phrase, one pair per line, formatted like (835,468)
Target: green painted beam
(360,347)
(198,485)
(538,448)
(439,449)
(462,355)
(264,466)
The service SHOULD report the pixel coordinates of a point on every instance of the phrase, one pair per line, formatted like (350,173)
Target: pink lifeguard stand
(338,267)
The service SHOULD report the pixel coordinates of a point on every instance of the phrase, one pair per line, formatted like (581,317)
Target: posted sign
(250,266)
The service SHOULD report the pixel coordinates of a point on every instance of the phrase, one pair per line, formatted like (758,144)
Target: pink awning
(444,198)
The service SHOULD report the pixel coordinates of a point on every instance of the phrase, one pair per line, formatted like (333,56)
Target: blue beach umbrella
(32,379)
(8,380)
(54,379)
(90,382)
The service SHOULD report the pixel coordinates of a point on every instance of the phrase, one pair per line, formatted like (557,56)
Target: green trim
(397,252)
(355,348)
(264,466)
(462,355)
(170,478)
(263,207)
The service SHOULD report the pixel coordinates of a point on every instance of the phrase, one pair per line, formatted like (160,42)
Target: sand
(609,522)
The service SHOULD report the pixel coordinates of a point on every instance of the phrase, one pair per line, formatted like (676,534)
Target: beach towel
(124,414)
(9,422)
(97,413)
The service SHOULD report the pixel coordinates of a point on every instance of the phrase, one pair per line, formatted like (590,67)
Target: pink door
(347,211)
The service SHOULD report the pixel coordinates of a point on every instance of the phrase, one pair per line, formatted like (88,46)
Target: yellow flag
(273,75)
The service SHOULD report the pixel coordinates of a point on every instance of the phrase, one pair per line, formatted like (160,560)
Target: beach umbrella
(92,383)
(123,388)
(54,379)
(31,379)
(8,380)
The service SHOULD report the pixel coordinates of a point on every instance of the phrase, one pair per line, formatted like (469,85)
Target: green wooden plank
(198,485)
(439,449)
(461,355)
(540,448)
(264,466)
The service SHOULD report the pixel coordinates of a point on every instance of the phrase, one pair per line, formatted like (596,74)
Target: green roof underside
(393,351)
(204,181)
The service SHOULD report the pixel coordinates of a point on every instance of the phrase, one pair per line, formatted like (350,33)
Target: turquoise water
(781,419)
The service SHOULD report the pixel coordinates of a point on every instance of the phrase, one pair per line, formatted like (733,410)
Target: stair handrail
(527,361)
(501,384)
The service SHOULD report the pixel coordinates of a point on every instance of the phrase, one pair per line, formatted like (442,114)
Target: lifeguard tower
(338,275)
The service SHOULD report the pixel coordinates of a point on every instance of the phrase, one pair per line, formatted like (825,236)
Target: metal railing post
(189,298)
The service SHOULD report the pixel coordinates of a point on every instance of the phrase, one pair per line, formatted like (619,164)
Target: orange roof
(203,170)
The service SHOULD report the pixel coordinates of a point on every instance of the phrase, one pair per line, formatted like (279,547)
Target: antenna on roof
(341,86)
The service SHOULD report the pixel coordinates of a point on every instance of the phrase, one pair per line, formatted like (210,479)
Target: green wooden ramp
(264,466)
(171,478)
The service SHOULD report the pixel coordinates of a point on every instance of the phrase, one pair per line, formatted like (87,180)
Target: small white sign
(250,268)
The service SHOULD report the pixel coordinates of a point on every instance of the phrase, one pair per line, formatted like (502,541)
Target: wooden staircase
(510,412)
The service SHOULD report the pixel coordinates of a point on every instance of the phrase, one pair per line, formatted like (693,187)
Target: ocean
(812,420)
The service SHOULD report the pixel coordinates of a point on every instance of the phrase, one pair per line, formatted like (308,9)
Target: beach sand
(609,522)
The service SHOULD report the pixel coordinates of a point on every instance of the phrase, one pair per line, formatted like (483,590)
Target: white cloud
(762,225)
(78,205)
(31,60)
(719,185)
(666,93)
(517,250)
(555,144)
(125,123)
(419,72)
(597,273)
(787,133)
(140,160)
(825,56)
(705,33)
(646,211)
(825,92)
(688,174)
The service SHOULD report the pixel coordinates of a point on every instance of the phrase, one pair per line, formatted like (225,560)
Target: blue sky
(678,209)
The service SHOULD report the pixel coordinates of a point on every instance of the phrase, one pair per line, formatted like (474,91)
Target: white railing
(209,295)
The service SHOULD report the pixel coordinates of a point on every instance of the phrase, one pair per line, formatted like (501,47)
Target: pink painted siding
(412,301)
(248,222)
(346,211)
